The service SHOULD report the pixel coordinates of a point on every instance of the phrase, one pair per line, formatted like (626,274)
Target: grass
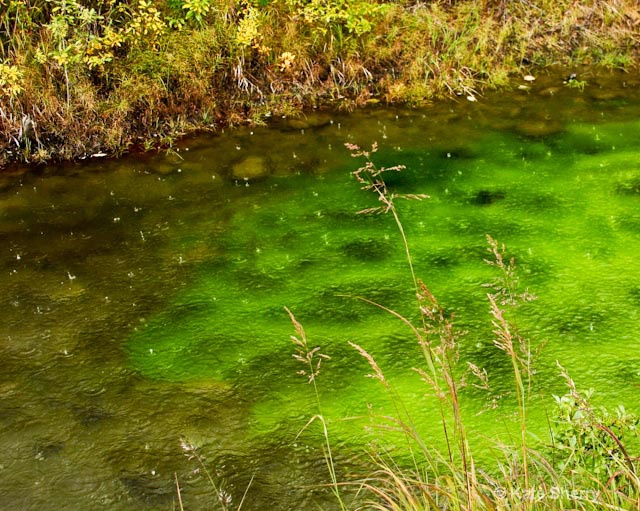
(86,77)
(223,497)
(585,463)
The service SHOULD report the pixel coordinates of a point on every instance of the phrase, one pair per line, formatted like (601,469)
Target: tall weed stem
(370,177)
(441,354)
(311,358)
(508,340)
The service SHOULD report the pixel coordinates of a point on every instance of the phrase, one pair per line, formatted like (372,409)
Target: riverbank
(98,78)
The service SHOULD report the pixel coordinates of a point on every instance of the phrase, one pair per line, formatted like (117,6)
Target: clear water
(143,299)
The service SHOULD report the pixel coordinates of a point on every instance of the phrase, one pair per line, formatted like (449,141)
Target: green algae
(560,202)
(155,301)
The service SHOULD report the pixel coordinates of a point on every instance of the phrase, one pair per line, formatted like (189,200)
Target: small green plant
(196,9)
(574,83)
(146,25)
(10,80)
(589,441)
(357,16)
(248,31)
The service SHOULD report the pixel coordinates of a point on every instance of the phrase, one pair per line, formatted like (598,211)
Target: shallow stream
(142,307)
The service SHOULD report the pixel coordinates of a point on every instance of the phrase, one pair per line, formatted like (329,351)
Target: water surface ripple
(143,299)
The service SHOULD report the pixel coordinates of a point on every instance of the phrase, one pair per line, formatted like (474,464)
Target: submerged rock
(65,291)
(605,94)
(486,197)
(367,250)
(149,488)
(163,168)
(92,414)
(308,121)
(458,153)
(629,223)
(251,168)
(634,295)
(47,449)
(550,91)
(539,128)
(631,187)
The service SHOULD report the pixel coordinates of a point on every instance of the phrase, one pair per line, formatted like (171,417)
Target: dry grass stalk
(312,358)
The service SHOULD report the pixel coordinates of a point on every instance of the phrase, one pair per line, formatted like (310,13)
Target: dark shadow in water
(488,197)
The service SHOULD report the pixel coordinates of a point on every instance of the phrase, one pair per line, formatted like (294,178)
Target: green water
(143,300)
